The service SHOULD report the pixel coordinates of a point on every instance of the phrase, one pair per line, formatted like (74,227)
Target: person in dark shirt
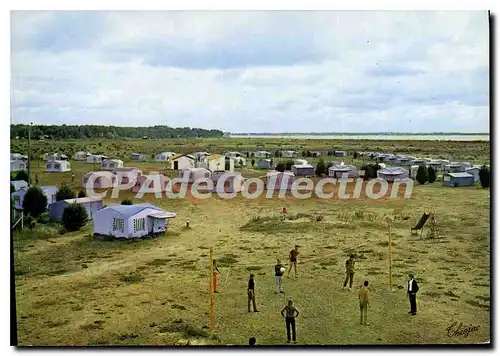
(293,260)
(291,314)
(278,277)
(412,294)
(251,293)
(349,271)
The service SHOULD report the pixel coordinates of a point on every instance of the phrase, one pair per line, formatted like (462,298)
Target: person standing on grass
(73,178)
(289,312)
(293,260)
(363,303)
(37,179)
(349,272)
(251,293)
(216,276)
(278,277)
(412,294)
(283,213)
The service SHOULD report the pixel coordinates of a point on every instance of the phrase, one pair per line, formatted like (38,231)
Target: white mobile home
(19,184)
(264,164)
(238,161)
(91,205)
(126,175)
(164,156)
(299,161)
(217,163)
(261,154)
(96,158)
(138,156)
(82,156)
(54,157)
(180,162)
(17,165)
(390,174)
(99,180)
(474,171)
(228,182)
(189,175)
(303,169)
(131,221)
(49,191)
(289,154)
(234,154)
(14,156)
(57,166)
(111,164)
(342,171)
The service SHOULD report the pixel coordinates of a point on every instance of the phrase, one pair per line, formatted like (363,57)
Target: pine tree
(34,202)
(320,168)
(422,174)
(74,217)
(21,175)
(484,177)
(432,174)
(65,192)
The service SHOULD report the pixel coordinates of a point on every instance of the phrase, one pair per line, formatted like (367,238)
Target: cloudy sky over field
(253,71)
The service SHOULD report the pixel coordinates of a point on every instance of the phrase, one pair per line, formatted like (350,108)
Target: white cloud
(254,71)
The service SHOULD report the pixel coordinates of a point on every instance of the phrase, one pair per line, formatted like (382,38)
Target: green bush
(44,218)
(21,175)
(29,221)
(432,174)
(484,177)
(81,193)
(422,174)
(321,168)
(280,167)
(288,165)
(35,202)
(65,192)
(127,201)
(74,217)
(12,189)
(370,170)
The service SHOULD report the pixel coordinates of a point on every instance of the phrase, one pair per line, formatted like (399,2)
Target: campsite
(73,289)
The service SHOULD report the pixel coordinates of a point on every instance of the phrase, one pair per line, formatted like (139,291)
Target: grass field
(74,290)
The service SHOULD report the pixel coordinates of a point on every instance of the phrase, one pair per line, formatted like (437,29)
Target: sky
(253,71)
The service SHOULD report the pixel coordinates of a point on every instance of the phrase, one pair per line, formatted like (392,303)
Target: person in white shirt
(412,294)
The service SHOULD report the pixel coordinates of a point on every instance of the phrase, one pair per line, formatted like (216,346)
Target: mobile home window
(139,224)
(118,224)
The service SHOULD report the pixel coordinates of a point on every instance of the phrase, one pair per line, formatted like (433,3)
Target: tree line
(58,132)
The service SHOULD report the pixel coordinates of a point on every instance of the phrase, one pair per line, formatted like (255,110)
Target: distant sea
(411,137)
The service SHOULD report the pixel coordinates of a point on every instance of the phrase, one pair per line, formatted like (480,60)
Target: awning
(162,215)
